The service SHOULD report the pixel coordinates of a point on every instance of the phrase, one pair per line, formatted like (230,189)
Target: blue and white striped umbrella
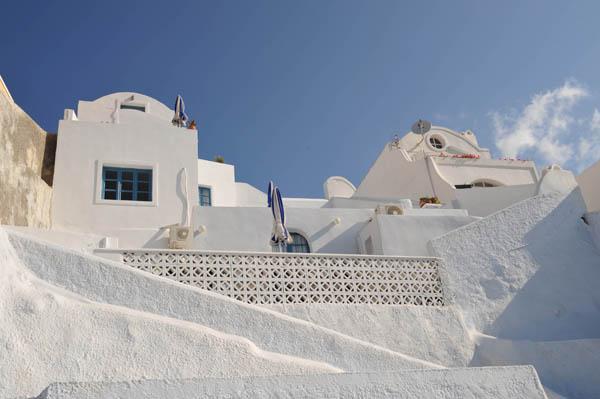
(270,194)
(180,118)
(280,235)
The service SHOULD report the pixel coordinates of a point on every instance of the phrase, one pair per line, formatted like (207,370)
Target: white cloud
(544,128)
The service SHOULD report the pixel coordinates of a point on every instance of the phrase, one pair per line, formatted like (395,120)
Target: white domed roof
(123,107)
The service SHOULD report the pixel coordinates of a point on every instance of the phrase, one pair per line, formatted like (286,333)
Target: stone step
(467,383)
(433,333)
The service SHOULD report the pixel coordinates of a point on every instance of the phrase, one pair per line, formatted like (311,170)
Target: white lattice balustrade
(280,278)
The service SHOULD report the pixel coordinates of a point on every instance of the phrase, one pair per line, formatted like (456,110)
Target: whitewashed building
(124,171)
(442,264)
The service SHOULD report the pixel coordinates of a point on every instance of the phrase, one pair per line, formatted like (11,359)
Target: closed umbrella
(180,118)
(270,194)
(280,235)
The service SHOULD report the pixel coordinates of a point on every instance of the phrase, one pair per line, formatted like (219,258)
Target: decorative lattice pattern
(300,278)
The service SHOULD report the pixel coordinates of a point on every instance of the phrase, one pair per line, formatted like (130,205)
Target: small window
(484,183)
(299,244)
(123,184)
(436,143)
(141,108)
(204,193)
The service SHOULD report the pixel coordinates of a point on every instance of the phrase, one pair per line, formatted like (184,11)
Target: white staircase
(516,382)
(278,355)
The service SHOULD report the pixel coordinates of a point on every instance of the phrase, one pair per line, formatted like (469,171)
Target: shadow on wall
(553,320)
(49,158)
(569,368)
(158,239)
(561,301)
(321,232)
(339,244)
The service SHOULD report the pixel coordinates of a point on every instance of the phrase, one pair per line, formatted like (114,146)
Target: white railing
(282,278)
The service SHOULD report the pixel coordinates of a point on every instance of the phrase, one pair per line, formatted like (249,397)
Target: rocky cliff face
(24,196)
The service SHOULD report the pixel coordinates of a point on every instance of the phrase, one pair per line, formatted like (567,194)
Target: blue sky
(297,91)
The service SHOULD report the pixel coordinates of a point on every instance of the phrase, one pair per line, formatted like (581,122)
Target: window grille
(436,143)
(280,278)
(205,196)
(299,244)
(124,184)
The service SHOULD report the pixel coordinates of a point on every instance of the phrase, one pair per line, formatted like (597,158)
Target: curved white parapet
(338,186)
(555,179)
(123,107)
(441,140)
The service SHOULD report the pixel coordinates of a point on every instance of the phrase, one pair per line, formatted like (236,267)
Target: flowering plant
(428,200)
(468,156)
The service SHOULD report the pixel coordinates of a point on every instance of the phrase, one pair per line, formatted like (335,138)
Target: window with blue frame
(125,184)
(299,244)
(204,194)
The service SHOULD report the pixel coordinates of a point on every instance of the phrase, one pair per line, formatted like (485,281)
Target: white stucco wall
(106,109)
(243,228)
(84,147)
(569,368)
(454,142)
(408,235)
(529,275)
(304,202)
(589,182)
(517,268)
(396,175)
(436,333)
(220,178)
(505,172)
(593,219)
(249,229)
(370,232)
(361,203)
(225,191)
(485,201)
(393,175)
(247,195)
